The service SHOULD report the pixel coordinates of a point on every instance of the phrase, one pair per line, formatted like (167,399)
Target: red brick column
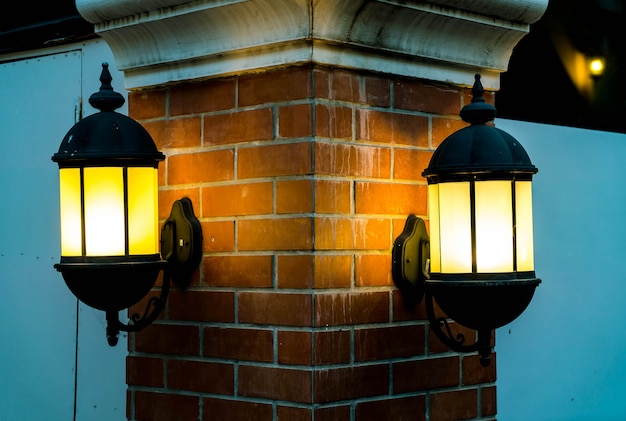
(302,177)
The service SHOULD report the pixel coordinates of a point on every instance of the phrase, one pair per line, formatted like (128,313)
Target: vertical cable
(76,361)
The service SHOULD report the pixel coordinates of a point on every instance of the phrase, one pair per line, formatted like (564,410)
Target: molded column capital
(161,41)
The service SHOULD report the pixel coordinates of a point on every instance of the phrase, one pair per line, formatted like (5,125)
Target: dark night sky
(537,86)
(25,26)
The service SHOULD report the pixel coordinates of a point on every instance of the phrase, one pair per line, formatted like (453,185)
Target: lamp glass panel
(433,215)
(455,227)
(71,236)
(494,226)
(104,211)
(142,210)
(524,228)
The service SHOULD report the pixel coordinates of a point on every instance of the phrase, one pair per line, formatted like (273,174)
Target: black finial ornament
(478,112)
(106,99)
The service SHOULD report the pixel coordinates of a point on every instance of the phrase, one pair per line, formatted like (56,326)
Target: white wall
(55,364)
(565,357)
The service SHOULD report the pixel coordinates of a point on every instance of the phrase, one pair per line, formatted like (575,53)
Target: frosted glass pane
(494,226)
(524,230)
(142,211)
(433,215)
(455,227)
(69,186)
(104,211)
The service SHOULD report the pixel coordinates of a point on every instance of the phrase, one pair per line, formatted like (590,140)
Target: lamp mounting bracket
(181,241)
(411,259)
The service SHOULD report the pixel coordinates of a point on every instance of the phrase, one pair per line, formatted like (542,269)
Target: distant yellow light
(596,66)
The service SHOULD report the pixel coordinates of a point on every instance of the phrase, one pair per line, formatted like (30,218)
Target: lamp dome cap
(479,149)
(107,137)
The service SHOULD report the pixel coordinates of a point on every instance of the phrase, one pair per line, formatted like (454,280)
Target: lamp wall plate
(181,241)
(410,259)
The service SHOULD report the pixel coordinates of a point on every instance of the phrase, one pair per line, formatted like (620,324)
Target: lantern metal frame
(479,301)
(114,283)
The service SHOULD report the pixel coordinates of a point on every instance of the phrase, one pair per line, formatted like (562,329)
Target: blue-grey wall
(55,364)
(565,357)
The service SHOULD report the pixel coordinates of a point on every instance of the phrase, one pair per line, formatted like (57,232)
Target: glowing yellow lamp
(481,227)
(108,211)
(480,202)
(108,206)
(477,263)
(108,185)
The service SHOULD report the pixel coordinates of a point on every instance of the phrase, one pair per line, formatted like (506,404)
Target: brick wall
(302,177)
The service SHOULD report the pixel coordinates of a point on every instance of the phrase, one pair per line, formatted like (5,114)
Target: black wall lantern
(478,262)
(110,255)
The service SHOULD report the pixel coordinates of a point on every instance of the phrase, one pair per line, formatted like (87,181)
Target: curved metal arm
(136,323)
(439,324)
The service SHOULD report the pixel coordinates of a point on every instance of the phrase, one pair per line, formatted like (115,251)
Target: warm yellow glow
(104,211)
(596,66)
(433,215)
(142,211)
(455,227)
(575,63)
(71,240)
(524,229)
(494,226)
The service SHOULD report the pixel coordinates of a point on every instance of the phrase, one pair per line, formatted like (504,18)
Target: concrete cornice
(161,41)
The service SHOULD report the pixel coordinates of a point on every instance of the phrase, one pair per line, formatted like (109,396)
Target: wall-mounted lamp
(478,262)
(596,66)
(109,216)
